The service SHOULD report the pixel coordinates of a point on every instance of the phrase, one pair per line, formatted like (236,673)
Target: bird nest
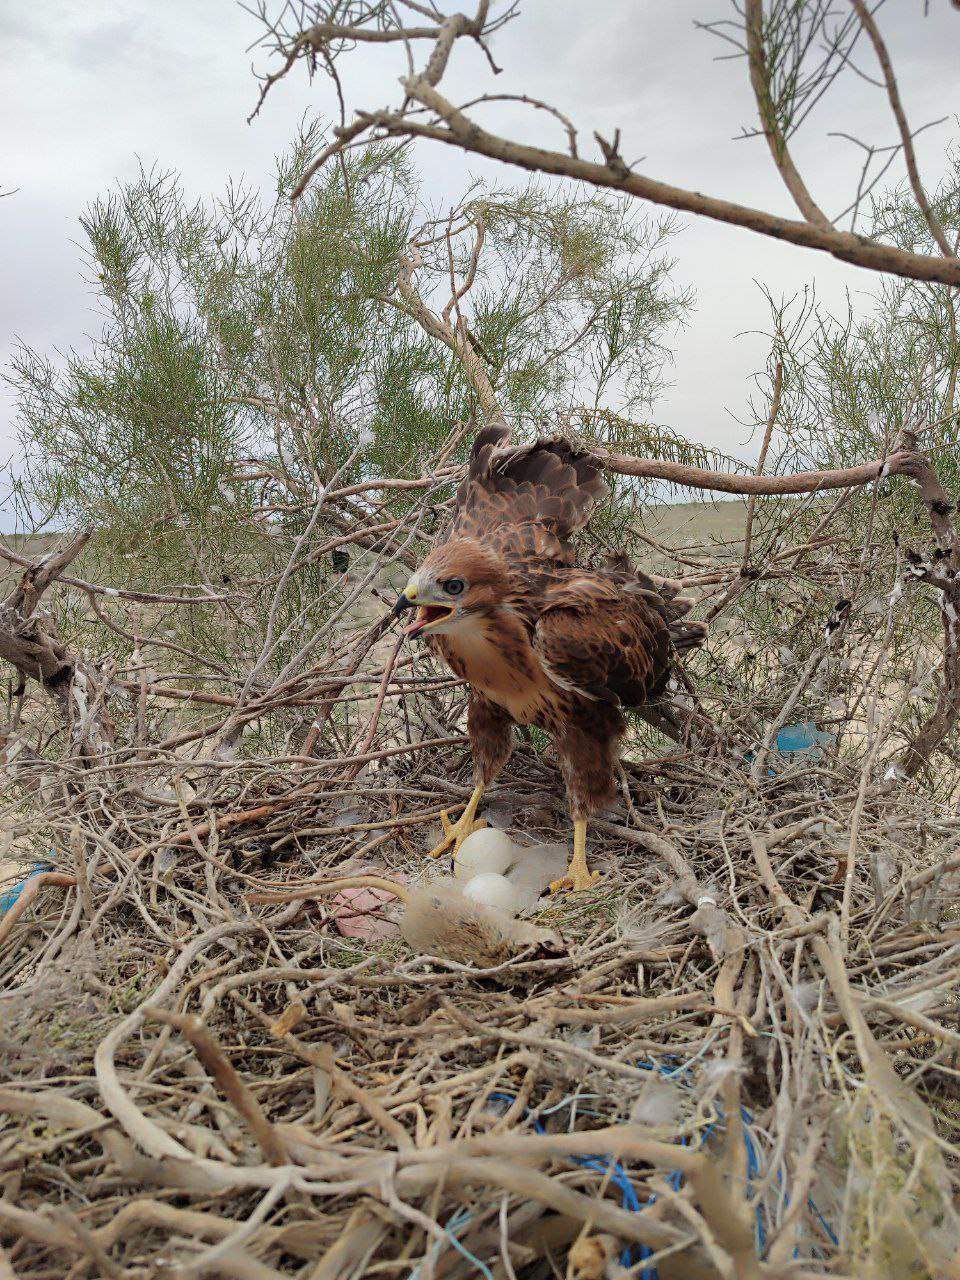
(734,1057)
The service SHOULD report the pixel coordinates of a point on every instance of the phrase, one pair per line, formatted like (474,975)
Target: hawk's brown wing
(606,640)
(526,501)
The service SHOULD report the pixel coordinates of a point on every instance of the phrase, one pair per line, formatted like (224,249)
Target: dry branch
(25,639)
(448,124)
(212,1056)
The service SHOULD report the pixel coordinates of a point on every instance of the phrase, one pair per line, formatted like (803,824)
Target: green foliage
(243,328)
(853,382)
(252,351)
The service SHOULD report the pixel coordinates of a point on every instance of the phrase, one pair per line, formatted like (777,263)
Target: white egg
(492,890)
(485,850)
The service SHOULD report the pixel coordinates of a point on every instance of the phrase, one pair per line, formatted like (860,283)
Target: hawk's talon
(576,880)
(579,876)
(454,833)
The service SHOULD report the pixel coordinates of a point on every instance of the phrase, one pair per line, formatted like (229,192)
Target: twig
(216,1062)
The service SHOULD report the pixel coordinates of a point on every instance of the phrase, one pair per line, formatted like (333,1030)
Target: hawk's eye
(454,586)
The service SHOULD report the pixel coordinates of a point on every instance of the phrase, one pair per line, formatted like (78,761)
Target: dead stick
(323,887)
(245,817)
(378,707)
(211,1054)
(321,1055)
(27,895)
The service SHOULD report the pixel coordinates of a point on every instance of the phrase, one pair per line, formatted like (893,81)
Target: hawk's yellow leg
(456,832)
(579,876)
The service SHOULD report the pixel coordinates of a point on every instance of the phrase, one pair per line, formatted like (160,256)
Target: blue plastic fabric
(9,896)
(802,737)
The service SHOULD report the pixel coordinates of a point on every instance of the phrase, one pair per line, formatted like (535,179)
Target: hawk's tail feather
(662,594)
(687,635)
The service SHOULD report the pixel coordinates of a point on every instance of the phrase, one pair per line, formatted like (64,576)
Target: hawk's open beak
(427,614)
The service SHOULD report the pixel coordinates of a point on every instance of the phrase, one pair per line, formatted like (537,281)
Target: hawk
(539,639)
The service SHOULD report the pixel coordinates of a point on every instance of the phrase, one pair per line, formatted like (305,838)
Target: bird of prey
(539,639)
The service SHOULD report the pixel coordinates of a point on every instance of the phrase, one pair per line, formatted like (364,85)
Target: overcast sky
(90,90)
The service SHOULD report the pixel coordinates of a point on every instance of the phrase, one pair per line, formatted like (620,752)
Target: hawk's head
(457,584)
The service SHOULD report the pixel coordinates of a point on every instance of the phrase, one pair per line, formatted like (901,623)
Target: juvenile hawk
(540,640)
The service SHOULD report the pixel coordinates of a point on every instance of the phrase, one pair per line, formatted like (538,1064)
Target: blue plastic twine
(628,1195)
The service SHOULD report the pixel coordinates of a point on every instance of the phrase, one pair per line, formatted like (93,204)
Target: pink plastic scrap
(357,912)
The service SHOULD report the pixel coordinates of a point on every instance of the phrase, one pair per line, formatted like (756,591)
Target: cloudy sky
(89,91)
